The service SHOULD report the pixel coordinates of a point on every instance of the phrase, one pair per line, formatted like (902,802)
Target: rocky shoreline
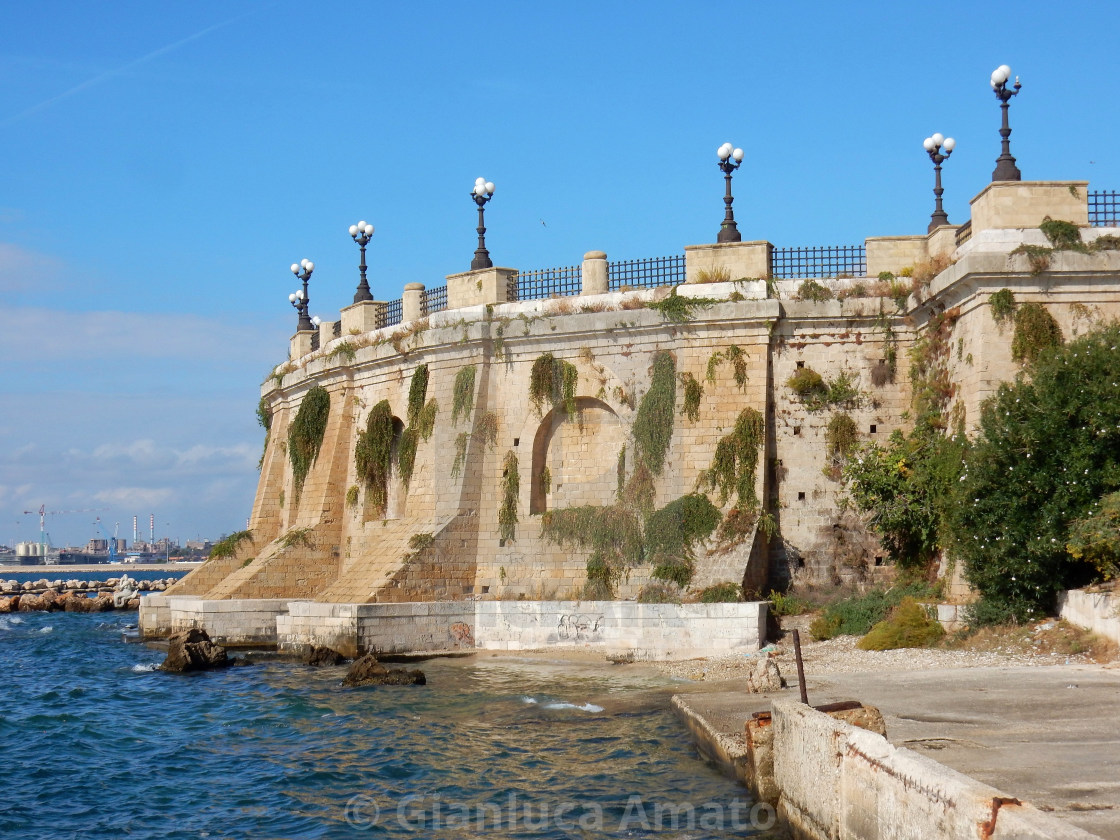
(74,595)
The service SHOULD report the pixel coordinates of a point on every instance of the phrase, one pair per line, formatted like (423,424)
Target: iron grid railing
(390,314)
(336,329)
(548,282)
(315,340)
(1104,208)
(435,300)
(646,273)
(964,233)
(821,261)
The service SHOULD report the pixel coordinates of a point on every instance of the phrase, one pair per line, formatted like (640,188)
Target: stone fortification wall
(439,536)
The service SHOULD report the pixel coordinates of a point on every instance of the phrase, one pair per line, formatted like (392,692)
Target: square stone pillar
(942,240)
(483,285)
(894,253)
(742,260)
(595,280)
(300,344)
(412,302)
(326,332)
(1024,204)
(358,318)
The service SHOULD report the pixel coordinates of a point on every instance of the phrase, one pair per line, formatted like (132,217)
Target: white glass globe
(292,297)
(353,230)
(490,187)
(480,189)
(369,230)
(950,144)
(299,294)
(316,320)
(938,139)
(927,144)
(479,181)
(295,268)
(738,155)
(362,224)
(310,266)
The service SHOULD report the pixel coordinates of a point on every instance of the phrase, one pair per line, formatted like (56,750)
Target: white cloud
(135,497)
(22,269)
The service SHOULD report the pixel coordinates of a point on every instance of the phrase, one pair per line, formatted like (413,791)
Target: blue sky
(162,164)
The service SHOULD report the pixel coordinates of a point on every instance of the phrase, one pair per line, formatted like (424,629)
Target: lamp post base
(729,232)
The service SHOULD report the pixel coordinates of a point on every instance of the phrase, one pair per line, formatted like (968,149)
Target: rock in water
(368,671)
(192,650)
(323,656)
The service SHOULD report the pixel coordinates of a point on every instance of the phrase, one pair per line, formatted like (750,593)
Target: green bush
(855,616)
(1003,305)
(1035,331)
(659,593)
(1096,537)
(909,626)
(784,604)
(722,593)
(814,291)
(1048,450)
(306,433)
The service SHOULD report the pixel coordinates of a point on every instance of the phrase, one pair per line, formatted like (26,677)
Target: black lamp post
(1006,170)
(299,299)
(729,160)
(483,191)
(934,146)
(361,233)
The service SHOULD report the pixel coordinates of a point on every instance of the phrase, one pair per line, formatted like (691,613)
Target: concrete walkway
(1049,736)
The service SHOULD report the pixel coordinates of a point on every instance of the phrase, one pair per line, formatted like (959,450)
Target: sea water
(97,743)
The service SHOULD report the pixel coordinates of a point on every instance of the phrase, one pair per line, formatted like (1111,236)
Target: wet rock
(79,604)
(765,677)
(133,604)
(319,656)
(368,671)
(192,650)
(102,603)
(38,603)
(9,605)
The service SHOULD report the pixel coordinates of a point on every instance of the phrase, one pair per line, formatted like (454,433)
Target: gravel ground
(841,656)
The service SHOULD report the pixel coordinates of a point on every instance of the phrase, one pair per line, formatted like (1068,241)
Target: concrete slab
(1049,736)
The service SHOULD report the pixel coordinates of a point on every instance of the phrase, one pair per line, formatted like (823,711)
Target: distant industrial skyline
(165,164)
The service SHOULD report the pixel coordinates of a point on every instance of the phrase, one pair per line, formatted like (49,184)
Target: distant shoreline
(61,571)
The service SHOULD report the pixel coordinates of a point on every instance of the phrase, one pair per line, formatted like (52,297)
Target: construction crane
(43,514)
(111,540)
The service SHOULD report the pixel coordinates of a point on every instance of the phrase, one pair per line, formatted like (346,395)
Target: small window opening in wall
(501,543)
(883,362)
(800,365)
(874,428)
(516,441)
(800,495)
(878,561)
(797,430)
(485,590)
(801,562)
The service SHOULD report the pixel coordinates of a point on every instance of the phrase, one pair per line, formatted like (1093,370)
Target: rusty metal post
(800,667)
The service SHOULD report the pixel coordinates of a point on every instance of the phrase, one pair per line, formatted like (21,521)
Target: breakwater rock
(368,671)
(44,595)
(192,650)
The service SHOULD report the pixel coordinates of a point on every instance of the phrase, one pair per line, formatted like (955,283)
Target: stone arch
(580,453)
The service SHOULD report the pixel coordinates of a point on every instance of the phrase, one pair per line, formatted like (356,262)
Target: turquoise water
(97,744)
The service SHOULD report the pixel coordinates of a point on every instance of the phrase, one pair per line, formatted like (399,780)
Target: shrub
(840,441)
(678,308)
(909,626)
(373,454)
(1047,451)
(722,593)
(228,547)
(1003,305)
(1095,538)
(1063,236)
(807,384)
(814,291)
(856,615)
(719,274)
(781,604)
(671,532)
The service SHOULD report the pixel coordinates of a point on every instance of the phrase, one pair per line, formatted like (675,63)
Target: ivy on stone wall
(373,454)
(1035,331)
(653,426)
(738,358)
(509,487)
(553,382)
(460,453)
(931,388)
(264,417)
(735,461)
(678,308)
(840,439)
(463,393)
(1003,305)
(417,393)
(305,436)
(693,392)
(671,532)
(421,422)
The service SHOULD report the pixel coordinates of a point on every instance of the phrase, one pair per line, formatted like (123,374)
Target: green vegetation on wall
(931,388)
(421,422)
(814,291)
(1003,305)
(417,393)
(678,308)
(738,358)
(373,454)
(460,453)
(228,547)
(510,486)
(653,426)
(553,382)
(840,441)
(693,391)
(671,532)
(1095,538)
(264,417)
(735,461)
(463,393)
(305,436)
(1035,331)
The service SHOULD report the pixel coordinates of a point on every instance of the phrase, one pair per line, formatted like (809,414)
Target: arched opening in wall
(575,459)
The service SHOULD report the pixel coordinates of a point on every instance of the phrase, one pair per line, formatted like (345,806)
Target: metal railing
(336,329)
(315,340)
(435,300)
(390,314)
(821,261)
(1104,208)
(964,233)
(547,282)
(646,273)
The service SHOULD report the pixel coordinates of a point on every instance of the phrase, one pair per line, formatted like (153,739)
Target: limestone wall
(1096,611)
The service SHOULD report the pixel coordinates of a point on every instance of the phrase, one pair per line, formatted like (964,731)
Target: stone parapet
(735,260)
(1024,204)
(481,286)
(893,253)
(363,317)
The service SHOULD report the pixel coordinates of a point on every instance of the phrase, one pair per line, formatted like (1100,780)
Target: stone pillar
(894,253)
(738,260)
(483,285)
(595,281)
(300,344)
(942,240)
(358,318)
(326,332)
(1024,204)
(412,302)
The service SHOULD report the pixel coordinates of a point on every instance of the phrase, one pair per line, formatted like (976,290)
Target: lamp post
(361,233)
(934,145)
(299,299)
(1005,170)
(483,191)
(729,160)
